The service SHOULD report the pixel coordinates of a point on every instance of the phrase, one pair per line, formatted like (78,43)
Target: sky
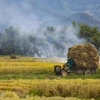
(30,14)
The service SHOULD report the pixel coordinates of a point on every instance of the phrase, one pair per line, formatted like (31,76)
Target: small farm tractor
(70,67)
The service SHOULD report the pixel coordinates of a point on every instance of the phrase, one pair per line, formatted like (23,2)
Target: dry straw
(84,55)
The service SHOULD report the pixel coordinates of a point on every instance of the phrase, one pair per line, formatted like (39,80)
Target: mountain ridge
(83,18)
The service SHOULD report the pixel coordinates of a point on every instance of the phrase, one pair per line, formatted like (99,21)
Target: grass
(45,76)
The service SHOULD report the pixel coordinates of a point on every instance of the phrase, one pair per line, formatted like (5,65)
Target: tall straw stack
(84,55)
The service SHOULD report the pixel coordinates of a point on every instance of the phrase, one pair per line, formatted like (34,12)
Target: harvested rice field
(27,78)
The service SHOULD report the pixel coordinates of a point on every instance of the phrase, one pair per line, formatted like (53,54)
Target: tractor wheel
(87,72)
(93,71)
(63,73)
(58,69)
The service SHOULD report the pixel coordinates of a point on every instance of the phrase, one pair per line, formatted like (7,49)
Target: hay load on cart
(82,58)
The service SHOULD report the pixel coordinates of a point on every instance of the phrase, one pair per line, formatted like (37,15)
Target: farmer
(70,63)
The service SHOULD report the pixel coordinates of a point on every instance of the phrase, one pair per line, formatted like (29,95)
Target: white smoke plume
(48,44)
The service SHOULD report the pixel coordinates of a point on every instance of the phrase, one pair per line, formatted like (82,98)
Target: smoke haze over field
(56,44)
(28,18)
(18,14)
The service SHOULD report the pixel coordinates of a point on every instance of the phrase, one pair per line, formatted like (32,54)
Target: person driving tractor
(70,63)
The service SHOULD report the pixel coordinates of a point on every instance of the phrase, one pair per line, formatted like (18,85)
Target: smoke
(55,41)
(52,41)
(18,14)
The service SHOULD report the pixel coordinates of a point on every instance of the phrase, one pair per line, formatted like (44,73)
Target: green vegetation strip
(46,74)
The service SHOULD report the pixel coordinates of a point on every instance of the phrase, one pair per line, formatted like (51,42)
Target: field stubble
(79,88)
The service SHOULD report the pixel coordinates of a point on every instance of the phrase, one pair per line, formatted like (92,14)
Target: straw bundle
(13,56)
(84,55)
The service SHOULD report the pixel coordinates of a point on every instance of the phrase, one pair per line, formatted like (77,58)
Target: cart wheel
(87,72)
(63,73)
(93,71)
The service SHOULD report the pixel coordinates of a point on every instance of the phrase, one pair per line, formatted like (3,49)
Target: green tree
(90,34)
(10,41)
(74,23)
(50,28)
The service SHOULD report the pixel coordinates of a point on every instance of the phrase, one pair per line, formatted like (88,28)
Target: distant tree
(90,34)
(10,41)
(1,39)
(95,39)
(74,23)
(50,28)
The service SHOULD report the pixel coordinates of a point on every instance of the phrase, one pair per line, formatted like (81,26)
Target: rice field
(79,88)
(26,67)
(27,78)
(76,88)
(33,68)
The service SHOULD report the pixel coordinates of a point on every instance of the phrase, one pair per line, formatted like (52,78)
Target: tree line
(11,41)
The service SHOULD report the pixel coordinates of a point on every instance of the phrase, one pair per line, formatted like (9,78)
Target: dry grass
(13,96)
(79,88)
(24,65)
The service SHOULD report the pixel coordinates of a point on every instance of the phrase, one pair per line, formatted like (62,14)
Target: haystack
(84,55)
(13,56)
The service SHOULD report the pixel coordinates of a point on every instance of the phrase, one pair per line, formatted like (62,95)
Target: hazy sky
(30,14)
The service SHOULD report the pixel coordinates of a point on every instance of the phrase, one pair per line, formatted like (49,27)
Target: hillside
(35,12)
(82,18)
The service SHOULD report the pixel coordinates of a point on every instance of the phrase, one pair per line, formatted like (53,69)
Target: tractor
(81,59)
(70,67)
